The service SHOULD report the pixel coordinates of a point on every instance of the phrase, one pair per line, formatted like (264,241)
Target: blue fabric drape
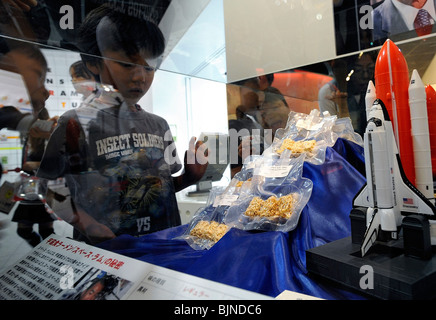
(268,262)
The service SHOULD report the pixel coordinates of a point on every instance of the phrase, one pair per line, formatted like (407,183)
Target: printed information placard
(60,268)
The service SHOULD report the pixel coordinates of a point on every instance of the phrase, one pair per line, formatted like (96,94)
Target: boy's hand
(24,5)
(196,160)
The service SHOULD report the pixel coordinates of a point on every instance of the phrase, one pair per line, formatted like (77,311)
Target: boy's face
(130,75)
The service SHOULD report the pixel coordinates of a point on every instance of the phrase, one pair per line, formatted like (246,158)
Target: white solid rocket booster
(369,98)
(420,136)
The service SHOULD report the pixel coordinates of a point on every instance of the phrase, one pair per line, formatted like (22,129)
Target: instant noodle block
(297,147)
(212,230)
(273,207)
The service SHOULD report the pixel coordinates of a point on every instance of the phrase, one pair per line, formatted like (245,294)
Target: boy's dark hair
(129,33)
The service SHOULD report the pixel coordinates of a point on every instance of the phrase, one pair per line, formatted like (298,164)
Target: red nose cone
(391,77)
(390,58)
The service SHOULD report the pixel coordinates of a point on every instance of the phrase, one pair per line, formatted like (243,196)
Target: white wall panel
(274,35)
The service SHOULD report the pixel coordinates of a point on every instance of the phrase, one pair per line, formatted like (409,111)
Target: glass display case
(213,48)
(215,66)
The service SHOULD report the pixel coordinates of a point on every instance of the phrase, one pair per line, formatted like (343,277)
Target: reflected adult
(363,71)
(274,110)
(246,127)
(332,96)
(83,80)
(29,62)
(273,107)
(32,211)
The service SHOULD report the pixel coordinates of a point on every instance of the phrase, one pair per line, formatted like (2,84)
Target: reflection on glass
(117,159)
(27,63)
(82,79)
(360,72)
(337,86)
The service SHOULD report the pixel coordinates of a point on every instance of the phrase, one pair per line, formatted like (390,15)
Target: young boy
(119,160)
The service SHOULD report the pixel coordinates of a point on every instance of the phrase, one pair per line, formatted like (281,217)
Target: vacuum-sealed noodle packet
(242,179)
(304,133)
(202,231)
(278,195)
(205,229)
(313,126)
(206,226)
(211,231)
(297,147)
(272,208)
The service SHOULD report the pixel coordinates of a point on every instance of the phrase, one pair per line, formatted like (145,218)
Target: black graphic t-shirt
(118,164)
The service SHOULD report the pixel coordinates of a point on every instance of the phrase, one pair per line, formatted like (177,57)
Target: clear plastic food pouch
(308,134)
(278,195)
(206,226)
(243,179)
(343,128)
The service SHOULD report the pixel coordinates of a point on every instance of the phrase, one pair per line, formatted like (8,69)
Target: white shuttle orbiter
(388,194)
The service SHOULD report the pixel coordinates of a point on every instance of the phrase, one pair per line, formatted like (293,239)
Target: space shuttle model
(398,198)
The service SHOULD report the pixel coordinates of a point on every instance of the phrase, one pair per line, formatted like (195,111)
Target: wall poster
(363,24)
